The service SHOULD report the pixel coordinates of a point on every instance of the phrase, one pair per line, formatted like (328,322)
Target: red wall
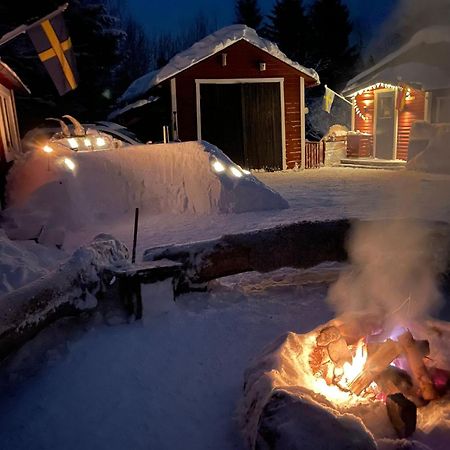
(242,62)
(366,104)
(413,110)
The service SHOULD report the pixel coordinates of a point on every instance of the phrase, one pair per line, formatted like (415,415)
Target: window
(443,109)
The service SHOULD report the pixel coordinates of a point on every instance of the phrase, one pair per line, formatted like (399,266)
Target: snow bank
(46,198)
(436,156)
(208,46)
(23,262)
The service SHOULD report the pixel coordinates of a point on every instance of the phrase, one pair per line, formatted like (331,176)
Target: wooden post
(136,224)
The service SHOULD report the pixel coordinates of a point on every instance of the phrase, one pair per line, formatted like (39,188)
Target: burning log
(327,335)
(376,363)
(402,414)
(414,354)
(394,380)
(339,352)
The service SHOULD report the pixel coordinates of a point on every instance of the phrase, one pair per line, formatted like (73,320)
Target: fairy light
(364,91)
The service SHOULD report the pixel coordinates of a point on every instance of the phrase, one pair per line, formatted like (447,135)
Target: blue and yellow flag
(328,99)
(52,42)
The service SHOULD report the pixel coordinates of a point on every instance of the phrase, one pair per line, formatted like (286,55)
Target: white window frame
(280,81)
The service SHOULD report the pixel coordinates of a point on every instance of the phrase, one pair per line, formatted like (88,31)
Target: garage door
(244,120)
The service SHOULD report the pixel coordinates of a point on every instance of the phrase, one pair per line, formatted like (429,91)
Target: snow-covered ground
(174,380)
(327,193)
(170,383)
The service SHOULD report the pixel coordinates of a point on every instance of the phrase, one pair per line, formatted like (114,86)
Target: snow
(427,74)
(205,48)
(105,186)
(173,382)
(131,106)
(323,194)
(435,158)
(22,262)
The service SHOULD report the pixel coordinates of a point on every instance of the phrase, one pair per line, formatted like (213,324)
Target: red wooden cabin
(408,85)
(233,89)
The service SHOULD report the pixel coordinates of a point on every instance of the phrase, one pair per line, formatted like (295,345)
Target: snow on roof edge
(430,35)
(203,49)
(13,76)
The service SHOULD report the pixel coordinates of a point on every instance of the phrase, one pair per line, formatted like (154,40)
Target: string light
(365,90)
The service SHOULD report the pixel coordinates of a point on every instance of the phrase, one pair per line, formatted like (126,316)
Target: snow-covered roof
(134,105)
(205,48)
(13,79)
(411,63)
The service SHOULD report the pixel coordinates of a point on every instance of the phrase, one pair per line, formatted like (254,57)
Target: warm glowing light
(69,164)
(87,143)
(100,142)
(218,166)
(73,143)
(47,149)
(246,172)
(351,371)
(236,172)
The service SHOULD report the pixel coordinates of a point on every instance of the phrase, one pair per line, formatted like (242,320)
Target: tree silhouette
(248,13)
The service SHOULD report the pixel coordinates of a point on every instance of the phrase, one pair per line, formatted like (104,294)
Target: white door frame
(394,146)
(10,128)
(280,81)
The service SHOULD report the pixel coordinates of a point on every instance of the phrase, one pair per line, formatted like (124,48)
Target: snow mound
(105,185)
(205,48)
(436,156)
(23,262)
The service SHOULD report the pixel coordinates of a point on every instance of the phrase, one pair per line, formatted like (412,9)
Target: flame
(351,371)
(338,392)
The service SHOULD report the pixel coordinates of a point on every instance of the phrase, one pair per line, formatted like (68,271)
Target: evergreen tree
(248,13)
(288,28)
(331,53)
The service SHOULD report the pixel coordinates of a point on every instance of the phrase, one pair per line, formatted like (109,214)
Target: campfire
(351,362)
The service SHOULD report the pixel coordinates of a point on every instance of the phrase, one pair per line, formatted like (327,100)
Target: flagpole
(340,96)
(24,28)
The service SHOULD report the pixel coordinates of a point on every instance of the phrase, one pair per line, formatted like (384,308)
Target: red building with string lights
(409,85)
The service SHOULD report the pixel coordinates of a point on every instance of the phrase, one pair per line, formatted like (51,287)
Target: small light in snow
(47,149)
(87,143)
(218,166)
(100,142)
(246,172)
(69,164)
(236,172)
(73,143)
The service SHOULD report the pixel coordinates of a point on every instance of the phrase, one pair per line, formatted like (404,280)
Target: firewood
(327,335)
(375,364)
(402,414)
(414,356)
(393,380)
(339,352)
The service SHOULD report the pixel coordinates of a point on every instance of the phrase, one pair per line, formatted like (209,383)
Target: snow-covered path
(170,384)
(322,194)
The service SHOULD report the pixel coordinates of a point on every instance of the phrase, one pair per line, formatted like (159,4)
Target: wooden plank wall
(242,62)
(413,110)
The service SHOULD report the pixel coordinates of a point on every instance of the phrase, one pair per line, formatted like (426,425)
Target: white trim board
(374,125)
(199,82)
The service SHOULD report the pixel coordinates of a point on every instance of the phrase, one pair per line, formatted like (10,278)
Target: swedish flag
(54,47)
(328,99)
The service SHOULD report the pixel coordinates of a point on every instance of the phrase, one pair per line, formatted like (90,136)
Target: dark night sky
(168,15)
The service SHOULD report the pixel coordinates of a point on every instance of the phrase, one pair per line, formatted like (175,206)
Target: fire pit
(349,384)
